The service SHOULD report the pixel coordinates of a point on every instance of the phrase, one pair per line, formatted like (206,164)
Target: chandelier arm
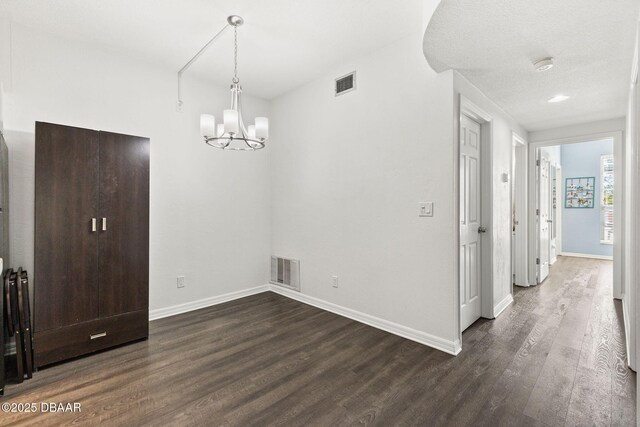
(195,57)
(252,144)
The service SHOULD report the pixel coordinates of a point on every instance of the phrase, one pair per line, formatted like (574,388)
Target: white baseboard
(499,308)
(607,257)
(522,285)
(160,313)
(451,347)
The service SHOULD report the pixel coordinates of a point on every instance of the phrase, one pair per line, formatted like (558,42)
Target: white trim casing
(628,343)
(173,310)
(631,297)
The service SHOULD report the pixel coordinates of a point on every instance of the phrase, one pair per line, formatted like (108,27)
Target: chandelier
(232,134)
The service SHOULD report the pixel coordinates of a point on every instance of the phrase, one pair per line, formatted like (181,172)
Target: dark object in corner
(16,303)
(25,318)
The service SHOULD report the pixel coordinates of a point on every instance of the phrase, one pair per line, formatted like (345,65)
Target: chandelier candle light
(232,134)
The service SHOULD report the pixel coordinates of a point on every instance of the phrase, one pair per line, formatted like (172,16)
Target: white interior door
(520,195)
(470,225)
(544,219)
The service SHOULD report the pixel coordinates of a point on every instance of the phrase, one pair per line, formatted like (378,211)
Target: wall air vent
(346,83)
(285,272)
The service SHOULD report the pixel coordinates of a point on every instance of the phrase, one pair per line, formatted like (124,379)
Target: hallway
(571,368)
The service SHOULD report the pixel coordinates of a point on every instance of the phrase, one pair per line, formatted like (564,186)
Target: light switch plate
(426,209)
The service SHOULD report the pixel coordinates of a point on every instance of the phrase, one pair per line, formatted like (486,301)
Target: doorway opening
(575,194)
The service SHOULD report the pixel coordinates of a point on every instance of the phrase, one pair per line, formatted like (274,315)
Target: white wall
(348,173)
(503,127)
(590,128)
(5,70)
(209,209)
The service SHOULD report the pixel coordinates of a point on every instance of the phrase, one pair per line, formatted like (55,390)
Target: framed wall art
(579,192)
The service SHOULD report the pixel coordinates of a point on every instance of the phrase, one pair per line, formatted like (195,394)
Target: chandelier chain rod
(235,55)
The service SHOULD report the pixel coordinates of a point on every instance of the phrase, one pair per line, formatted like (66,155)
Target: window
(606,199)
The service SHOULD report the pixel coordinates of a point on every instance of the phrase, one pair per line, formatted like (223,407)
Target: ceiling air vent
(346,83)
(285,272)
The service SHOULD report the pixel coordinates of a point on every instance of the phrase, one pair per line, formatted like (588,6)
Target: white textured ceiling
(283,44)
(493,43)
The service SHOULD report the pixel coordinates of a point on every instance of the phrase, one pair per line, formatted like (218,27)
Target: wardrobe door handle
(94,224)
(99,335)
(104,224)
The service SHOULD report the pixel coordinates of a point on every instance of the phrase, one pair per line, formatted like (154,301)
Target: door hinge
(537,162)
(537,211)
(537,261)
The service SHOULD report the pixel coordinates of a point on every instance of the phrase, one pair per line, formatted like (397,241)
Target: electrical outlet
(334,281)
(181,281)
(426,209)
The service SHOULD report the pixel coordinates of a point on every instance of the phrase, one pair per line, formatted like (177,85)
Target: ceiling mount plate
(235,20)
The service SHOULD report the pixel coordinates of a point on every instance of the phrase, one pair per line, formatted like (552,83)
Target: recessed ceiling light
(543,64)
(558,98)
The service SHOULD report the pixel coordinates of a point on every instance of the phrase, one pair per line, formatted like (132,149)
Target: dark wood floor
(555,357)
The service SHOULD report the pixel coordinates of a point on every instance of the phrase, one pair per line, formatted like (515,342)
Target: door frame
(539,157)
(618,202)
(631,294)
(519,182)
(553,177)
(560,204)
(468,108)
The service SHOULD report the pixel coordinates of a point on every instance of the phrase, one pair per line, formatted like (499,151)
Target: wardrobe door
(66,247)
(124,224)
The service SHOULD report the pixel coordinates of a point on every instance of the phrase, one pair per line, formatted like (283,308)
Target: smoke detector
(543,64)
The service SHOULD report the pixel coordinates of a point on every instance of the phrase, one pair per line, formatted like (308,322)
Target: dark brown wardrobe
(91,284)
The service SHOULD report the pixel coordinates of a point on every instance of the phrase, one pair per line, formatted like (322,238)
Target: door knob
(482,229)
